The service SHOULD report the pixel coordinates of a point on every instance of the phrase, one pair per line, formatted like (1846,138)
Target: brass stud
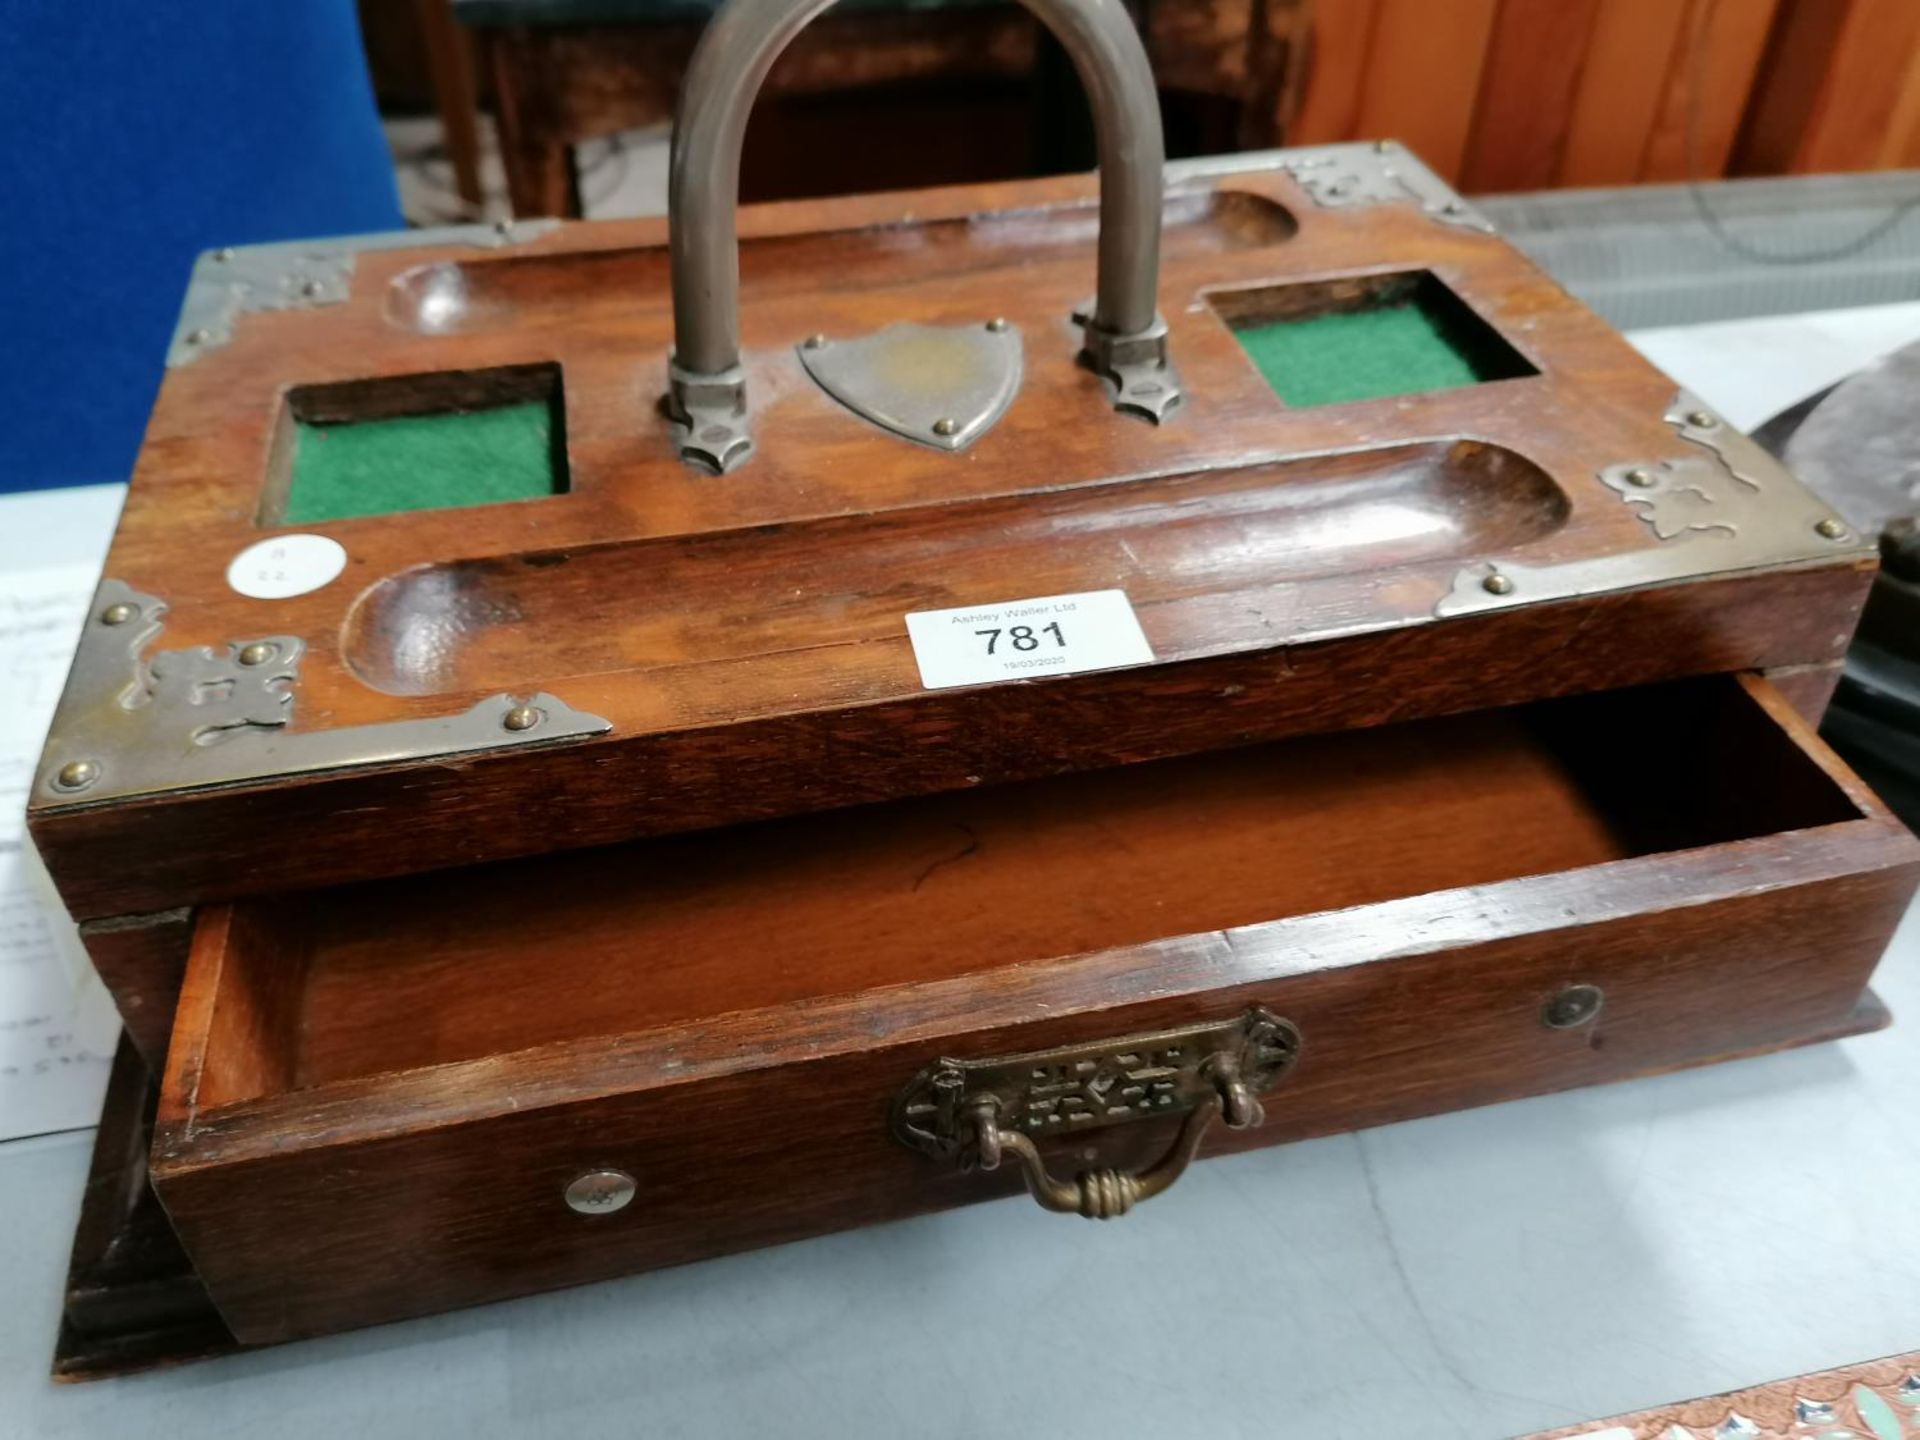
(997,324)
(258,652)
(1831,528)
(816,342)
(600,1192)
(77,775)
(1497,584)
(1572,1007)
(1701,420)
(521,717)
(1641,477)
(946,426)
(118,614)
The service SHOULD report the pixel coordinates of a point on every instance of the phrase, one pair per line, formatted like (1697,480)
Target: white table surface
(1472,1275)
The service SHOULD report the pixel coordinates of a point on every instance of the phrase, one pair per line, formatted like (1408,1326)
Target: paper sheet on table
(57,1027)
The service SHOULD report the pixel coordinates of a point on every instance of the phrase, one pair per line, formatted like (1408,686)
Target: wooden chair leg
(539,168)
(455,96)
(1279,58)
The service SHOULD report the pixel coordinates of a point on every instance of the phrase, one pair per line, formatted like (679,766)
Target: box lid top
(568,635)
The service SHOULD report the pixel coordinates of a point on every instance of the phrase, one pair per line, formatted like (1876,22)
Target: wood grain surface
(371,1106)
(795,687)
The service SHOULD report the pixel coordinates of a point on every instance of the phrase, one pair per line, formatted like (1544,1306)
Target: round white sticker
(286,565)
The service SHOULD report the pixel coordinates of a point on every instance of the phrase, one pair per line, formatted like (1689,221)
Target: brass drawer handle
(974,1113)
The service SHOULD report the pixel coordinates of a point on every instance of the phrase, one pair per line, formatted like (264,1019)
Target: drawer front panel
(408,1194)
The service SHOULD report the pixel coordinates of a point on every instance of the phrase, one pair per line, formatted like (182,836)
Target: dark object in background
(975,93)
(1858,445)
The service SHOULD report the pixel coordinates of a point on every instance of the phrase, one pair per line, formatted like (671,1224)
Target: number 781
(1023,637)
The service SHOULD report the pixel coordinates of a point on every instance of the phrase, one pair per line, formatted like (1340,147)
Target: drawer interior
(462,965)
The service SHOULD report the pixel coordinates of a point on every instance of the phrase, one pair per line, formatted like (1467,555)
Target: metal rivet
(521,717)
(1572,1007)
(118,614)
(945,426)
(312,289)
(1497,584)
(997,324)
(198,337)
(816,342)
(1701,420)
(1381,147)
(600,1192)
(503,227)
(1642,478)
(223,254)
(1831,528)
(77,775)
(1453,207)
(259,652)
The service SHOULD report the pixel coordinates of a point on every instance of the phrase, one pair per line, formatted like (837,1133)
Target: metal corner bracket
(299,274)
(1729,506)
(203,717)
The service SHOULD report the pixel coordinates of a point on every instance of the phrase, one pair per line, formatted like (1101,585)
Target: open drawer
(404,1096)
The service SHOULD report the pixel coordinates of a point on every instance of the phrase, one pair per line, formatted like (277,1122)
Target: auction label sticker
(1026,639)
(285,566)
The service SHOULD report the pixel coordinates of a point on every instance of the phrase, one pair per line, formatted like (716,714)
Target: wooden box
(559,883)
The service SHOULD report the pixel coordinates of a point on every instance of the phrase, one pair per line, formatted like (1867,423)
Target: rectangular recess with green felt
(417,442)
(1363,337)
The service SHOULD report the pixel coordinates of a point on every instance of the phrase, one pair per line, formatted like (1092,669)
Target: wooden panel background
(1508,95)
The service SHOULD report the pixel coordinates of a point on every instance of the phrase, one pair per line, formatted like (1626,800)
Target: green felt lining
(421,462)
(1398,348)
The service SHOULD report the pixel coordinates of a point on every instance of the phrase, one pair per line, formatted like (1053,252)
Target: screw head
(1831,528)
(118,614)
(815,342)
(997,324)
(1497,584)
(946,426)
(77,775)
(521,717)
(257,652)
(1572,1007)
(600,1192)
(1641,477)
(1701,420)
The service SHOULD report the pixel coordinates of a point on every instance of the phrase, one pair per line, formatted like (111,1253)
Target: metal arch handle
(1125,339)
(1107,1194)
